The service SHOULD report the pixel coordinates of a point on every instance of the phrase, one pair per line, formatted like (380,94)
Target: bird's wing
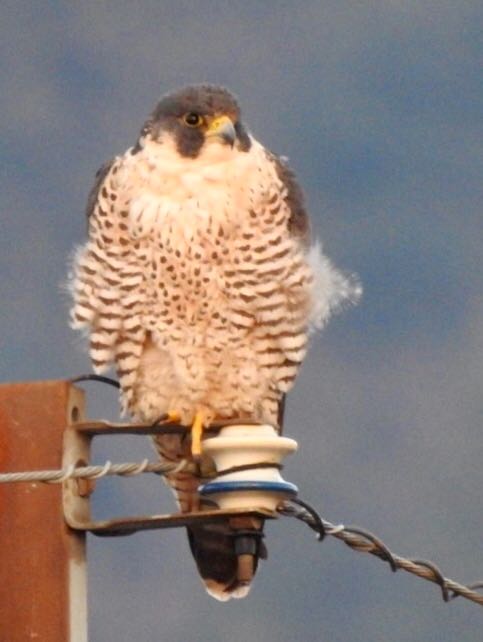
(298,222)
(101,175)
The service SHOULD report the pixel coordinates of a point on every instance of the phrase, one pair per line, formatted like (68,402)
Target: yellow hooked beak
(222,128)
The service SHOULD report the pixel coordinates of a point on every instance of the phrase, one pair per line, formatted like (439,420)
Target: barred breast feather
(200,284)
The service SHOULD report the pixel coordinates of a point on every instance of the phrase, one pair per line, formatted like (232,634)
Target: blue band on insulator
(231,486)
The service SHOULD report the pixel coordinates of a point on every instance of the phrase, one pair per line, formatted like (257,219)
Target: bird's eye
(192,119)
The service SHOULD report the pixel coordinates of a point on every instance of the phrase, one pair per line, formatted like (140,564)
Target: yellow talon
(173,416)
(196,433)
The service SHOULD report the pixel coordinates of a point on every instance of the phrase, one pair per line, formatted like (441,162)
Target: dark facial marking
(176,113)
(244,142)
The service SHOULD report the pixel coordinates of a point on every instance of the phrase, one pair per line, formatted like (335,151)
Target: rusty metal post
(42,561)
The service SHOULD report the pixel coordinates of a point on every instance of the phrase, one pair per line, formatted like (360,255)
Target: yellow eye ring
(192,119)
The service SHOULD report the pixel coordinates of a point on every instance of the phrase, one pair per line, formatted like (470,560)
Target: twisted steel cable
(365,542)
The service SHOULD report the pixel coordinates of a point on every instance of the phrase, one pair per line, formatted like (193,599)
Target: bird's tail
(227,559)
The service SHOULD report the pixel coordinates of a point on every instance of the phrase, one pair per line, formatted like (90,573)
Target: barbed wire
(94,472)
(358,539)
(365,542)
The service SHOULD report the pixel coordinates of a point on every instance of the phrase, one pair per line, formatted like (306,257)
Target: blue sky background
(378,105)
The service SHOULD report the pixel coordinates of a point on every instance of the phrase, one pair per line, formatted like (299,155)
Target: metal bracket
(77,445)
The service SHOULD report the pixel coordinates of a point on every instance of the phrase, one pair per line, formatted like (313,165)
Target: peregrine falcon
(200,283)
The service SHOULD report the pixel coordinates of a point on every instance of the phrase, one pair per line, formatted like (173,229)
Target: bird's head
(196,117)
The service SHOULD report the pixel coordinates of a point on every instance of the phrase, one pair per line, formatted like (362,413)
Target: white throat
(192,194)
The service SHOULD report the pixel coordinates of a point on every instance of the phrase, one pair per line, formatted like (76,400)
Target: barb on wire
(365,542)
(94,472)
(316,522)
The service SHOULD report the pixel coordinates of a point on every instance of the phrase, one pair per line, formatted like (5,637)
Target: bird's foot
(196,434)
(173,416)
